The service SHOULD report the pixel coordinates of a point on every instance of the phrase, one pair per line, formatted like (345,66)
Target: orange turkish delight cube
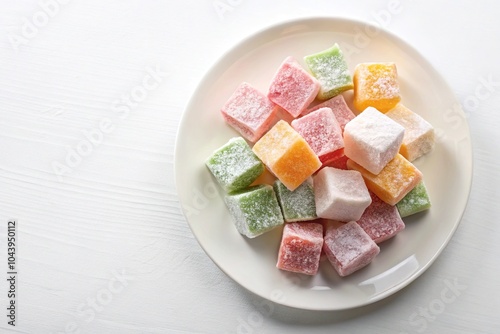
(396,180)
(287,155)
(376,85)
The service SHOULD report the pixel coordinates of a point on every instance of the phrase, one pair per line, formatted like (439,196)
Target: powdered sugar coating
(255,210)
(419,134)
(349,248)
(372,139)
(300,248)
(234,165)
(340,194)
(384,86)
(249,112)
(321,131)
(380,220)
(292,88)
(339,108)
(331,70)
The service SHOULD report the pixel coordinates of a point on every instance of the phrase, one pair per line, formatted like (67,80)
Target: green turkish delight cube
(234,165)
(416,200)
(254,210)
(331,70)
(297,205)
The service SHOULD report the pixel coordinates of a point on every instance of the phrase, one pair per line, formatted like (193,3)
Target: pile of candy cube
(342,181)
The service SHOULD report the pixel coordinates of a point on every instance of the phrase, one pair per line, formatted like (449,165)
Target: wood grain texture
(111,230)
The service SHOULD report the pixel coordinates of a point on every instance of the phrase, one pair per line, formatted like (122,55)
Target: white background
(103,245)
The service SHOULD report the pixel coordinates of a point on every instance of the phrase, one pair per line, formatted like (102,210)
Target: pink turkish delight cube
(322,132)
(300,248)
(380,220)
(342,112)
(349,248)
(249,112)
(292,87)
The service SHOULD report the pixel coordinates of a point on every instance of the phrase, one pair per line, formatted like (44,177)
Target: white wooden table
(91,94)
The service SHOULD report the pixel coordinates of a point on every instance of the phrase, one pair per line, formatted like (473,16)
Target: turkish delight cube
(300,248)
(349,248)
(416,200)
(297,205)
(419,134)
(340,194)
(343,114)
(287,155)
(292,88)
(255,210)
(249,112)
(376,85)
(331,70)
(234,165)
(396,180)
(322,132)
(372,139)
(380,220)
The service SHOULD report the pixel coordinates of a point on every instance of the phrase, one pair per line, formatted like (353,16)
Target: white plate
(447,169)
